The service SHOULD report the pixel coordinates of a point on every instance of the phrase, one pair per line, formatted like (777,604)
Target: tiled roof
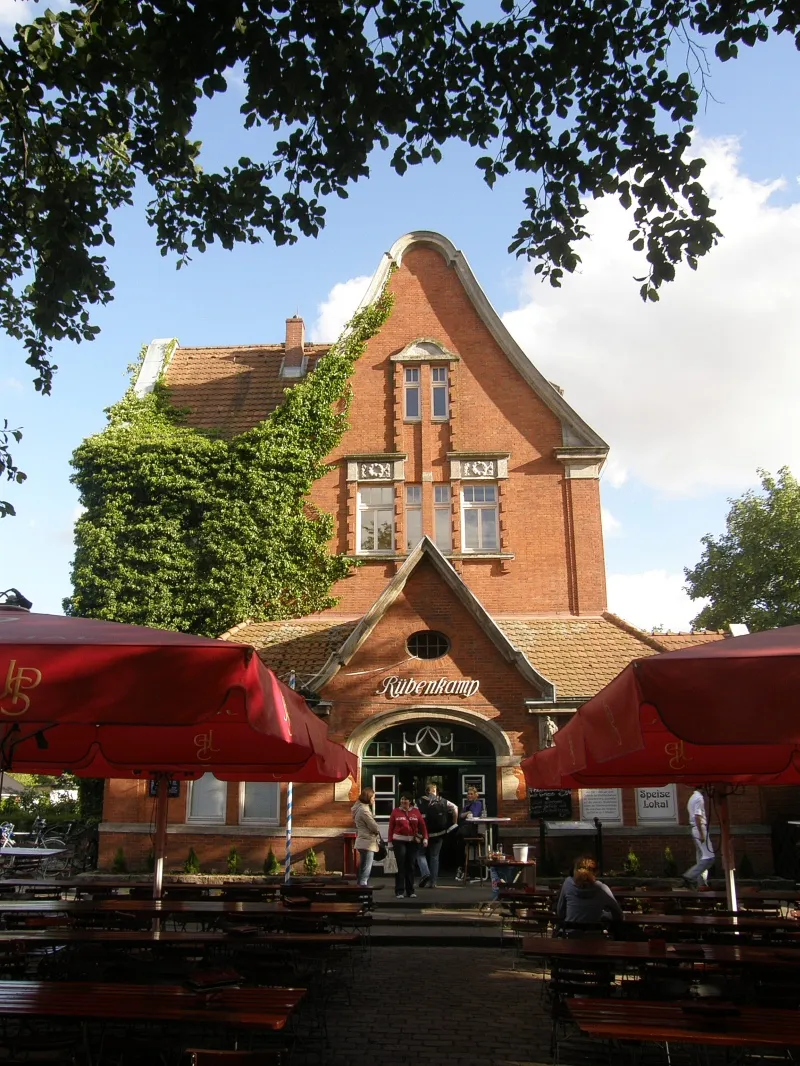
(231,389)
(674,641)
(579,655)
(300,644)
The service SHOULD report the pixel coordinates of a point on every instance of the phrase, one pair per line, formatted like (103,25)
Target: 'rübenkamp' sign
(392,687)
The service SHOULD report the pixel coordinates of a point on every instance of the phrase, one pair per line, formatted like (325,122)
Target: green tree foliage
(186,530)
(311,862)
(751,573)
(271,865)
(234,861)
(191,864)
(589,99)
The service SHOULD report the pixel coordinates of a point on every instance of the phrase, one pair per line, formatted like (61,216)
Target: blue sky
(692,395)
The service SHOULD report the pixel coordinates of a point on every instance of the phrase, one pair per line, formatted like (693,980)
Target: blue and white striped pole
(287,874)
(287,868)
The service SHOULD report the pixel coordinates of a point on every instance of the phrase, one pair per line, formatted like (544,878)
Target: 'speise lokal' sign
(392,687)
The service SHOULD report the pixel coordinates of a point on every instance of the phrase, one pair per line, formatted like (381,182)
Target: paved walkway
(440,1005)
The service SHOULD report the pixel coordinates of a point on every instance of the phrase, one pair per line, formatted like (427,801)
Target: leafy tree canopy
(186,530)
(751,573)
(590,98)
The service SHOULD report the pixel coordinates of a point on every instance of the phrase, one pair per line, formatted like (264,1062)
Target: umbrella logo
(678,757)
(204,742)
(13,701)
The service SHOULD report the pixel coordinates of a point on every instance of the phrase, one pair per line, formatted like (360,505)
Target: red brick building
(468,489)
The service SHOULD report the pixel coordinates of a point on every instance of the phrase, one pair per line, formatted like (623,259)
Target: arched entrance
(408,755)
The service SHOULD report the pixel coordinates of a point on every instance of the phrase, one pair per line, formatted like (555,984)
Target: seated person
(586,901)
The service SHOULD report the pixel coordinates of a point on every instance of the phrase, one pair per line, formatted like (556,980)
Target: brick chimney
(294,363)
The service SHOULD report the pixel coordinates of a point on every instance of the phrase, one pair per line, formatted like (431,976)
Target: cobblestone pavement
(446,1006)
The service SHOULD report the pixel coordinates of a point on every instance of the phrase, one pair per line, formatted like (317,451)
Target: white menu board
(602,803)
(657,805)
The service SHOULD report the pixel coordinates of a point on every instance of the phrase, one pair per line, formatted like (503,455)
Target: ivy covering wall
(185,529)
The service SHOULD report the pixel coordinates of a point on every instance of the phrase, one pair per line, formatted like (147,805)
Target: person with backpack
(440,817)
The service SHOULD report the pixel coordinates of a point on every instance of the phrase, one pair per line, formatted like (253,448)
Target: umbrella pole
(728,862)
(160,843)
(287,869)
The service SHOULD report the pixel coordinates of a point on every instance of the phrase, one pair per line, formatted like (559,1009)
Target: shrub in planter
(310,862)
(234,861)
(632,865)
(119,865)
(670,866)
(192,864)
(745,866)
(271,865)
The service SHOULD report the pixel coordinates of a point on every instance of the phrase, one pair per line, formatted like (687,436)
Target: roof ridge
(236,628)
(626,627)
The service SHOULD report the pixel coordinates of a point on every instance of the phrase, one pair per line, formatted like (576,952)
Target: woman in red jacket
(407,834)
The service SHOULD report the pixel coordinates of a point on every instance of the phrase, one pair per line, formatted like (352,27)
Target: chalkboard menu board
(553,804)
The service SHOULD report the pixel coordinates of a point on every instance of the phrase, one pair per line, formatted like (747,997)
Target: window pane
(471,541)
(413,494)
(439,402)
(385,531)
(468,493)
(441,494)
(367,531)
(412,403)
(413,527)
(261,800)
(370,496)
(488,528)
(207,799)
(478,494)
(412,374)
(443,534)
(440,373)
(385,495)
(490,493)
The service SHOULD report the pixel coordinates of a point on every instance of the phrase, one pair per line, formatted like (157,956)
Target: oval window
(428,644)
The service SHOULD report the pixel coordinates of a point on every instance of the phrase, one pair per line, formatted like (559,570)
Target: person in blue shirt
(585,902)
(472,807)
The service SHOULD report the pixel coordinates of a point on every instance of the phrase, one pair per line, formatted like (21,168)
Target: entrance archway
(415,750)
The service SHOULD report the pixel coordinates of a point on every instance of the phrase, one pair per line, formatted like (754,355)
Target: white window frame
(196,819)
(415,508)
(444,385)
(243,819)
(439,508)
(412,383)
(471,506)
(360,509)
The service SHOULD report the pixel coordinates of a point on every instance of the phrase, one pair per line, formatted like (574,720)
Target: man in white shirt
(697,875)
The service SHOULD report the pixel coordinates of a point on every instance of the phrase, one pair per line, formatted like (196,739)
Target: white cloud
(334,313)
(695,392)
(11,385)
(653,598)
(24,12)
(612,527)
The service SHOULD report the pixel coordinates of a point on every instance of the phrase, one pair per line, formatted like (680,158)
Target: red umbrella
(742,690)
(56,669)
(106,700)
(624,735)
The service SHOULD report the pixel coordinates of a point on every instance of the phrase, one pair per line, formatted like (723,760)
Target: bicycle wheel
(54,842)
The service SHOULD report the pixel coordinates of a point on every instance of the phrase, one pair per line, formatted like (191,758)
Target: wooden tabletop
(714,921)
(148,937)
(118,905)
(641,951)
(712,895)
(685,1023)
(258,1008)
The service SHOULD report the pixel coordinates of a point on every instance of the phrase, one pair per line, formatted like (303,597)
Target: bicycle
(40,838)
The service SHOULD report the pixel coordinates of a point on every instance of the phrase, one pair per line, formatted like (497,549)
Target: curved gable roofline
(427,549)
(576,432)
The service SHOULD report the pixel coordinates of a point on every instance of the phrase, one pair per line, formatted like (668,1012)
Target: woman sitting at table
(584,902)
